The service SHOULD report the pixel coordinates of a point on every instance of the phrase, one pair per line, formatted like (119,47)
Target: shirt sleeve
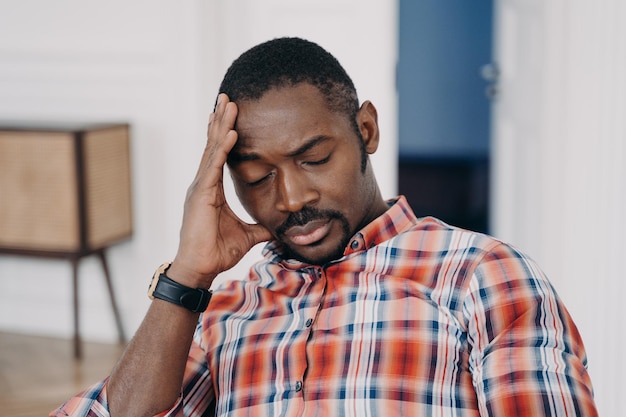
(195,399)
(527,356)
(90,403)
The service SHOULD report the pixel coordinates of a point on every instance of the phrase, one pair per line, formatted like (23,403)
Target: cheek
(257,205)
(347,180)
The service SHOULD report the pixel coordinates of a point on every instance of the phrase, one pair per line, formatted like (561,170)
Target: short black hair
(290,61)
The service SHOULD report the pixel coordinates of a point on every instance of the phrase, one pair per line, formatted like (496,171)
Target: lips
(309,233)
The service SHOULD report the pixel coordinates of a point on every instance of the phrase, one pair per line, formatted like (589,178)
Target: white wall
(158,64)
(135,61)
(560,163)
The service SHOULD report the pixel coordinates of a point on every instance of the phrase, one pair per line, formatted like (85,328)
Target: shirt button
(309,322)
(298,386)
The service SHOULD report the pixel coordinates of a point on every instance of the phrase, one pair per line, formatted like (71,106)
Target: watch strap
(193,299)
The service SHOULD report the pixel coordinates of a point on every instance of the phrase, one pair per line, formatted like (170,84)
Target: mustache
(304,216)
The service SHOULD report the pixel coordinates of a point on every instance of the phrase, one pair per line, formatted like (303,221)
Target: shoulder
(462,257)
(431,235)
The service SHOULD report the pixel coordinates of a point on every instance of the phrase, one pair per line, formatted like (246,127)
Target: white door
(516,112)
(559,163)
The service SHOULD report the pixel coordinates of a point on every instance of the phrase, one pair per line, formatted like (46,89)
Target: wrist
(189,276)
(195,299)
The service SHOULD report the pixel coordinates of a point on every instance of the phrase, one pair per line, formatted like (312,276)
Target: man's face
(297,171)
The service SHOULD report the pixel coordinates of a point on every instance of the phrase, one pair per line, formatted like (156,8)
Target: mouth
(309,233)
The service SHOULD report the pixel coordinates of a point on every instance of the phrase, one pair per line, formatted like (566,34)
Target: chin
(326,250)
(317,258)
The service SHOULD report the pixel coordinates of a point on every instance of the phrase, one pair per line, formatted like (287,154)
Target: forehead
(285,115)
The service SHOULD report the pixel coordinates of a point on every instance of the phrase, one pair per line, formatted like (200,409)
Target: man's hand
(212,238)
(149,376)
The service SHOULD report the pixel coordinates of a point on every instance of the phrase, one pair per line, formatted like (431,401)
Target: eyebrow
(235,157)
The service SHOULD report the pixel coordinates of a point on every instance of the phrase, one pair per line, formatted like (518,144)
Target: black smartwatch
(164,288)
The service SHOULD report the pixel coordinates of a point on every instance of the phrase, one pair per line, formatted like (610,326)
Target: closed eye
(318,162)
(258,182)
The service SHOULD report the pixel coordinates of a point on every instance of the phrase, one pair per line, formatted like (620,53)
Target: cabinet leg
(75,290)
(109,282)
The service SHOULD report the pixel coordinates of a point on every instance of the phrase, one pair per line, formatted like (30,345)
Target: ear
(367,121)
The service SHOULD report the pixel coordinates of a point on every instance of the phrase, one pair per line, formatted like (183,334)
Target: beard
(304,216)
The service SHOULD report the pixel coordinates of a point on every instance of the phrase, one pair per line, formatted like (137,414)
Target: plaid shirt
(417,319)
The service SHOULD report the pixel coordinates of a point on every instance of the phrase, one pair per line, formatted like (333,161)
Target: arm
(527,356)
(148,378)
(196,393)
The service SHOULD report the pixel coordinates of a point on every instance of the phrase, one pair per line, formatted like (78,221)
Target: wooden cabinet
(65,192)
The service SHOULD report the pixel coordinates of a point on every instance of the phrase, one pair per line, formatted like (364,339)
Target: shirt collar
(398,218)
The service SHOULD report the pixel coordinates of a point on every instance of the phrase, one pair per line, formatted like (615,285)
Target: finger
(224,115)
(221,136)
(222,123)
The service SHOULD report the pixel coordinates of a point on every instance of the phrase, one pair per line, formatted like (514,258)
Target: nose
(294,192)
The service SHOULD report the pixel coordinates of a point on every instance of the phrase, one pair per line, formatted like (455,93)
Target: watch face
(155,278)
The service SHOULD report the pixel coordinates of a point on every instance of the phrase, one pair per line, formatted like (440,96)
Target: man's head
(289,61)
(300,164)
(286,62)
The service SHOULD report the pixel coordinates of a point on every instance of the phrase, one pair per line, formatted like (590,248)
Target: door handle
(491,73)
